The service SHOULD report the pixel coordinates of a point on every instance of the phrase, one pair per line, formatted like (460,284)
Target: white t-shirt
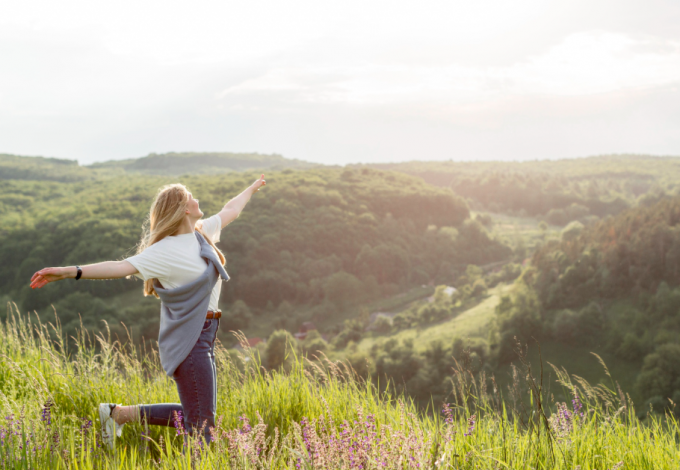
(176,261)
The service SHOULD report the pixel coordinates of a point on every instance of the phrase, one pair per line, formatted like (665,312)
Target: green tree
(479,288)
(237,317)
(660,374)
(352,330)
(280,351)
(565,326)
(571,231)
(441,297)
(313,344)
(343,289)
(383,324)
(518,318)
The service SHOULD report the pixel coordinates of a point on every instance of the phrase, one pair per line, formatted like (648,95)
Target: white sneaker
(109,425)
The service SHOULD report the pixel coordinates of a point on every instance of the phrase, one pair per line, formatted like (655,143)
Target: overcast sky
(340,82)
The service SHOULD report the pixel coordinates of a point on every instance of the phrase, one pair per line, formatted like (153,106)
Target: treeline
(182,163)
(556,198)
(423,375)
(616,286)
(558,191)
(325,237)
(15,167)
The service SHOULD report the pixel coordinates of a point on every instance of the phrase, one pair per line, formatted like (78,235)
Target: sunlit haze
(340,82)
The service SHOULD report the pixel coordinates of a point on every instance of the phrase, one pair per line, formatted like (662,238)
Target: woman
(180,264)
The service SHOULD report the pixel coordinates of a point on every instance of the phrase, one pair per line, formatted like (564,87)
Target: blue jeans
(196,379)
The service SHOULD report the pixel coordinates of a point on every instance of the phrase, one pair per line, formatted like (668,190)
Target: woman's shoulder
(159,245)
(211,227)
(167,244)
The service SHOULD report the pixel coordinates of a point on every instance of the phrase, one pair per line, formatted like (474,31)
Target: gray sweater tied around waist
(184,308)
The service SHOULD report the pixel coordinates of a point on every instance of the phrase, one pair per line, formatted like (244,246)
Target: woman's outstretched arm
(233,208)
(103,270)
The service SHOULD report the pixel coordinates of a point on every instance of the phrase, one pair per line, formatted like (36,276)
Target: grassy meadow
(472,322)
(318,415)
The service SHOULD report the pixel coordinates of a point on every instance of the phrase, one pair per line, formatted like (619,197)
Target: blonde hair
(165,218)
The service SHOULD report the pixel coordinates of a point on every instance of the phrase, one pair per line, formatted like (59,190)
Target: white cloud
(600,62)
(583,63)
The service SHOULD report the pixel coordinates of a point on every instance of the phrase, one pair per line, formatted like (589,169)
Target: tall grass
(318,415)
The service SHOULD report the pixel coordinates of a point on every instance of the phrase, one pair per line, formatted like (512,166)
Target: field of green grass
(317,416)
(471,323)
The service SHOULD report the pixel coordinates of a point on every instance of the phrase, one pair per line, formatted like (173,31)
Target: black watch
(79,272)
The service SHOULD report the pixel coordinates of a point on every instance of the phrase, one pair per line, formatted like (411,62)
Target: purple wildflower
(448,413)
(471,425)
(178,419)
(245,428)
(87,424)
(576,402)
(562,421)
(47,413)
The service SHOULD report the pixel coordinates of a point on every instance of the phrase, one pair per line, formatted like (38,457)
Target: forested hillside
(15,167)
(182,163)
(557,190)
(310,244)
(616,286)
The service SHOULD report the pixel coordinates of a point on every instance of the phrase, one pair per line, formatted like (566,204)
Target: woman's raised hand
(259,183)
(47,275)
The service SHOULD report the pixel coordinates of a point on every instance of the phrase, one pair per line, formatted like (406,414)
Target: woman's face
(193,210)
